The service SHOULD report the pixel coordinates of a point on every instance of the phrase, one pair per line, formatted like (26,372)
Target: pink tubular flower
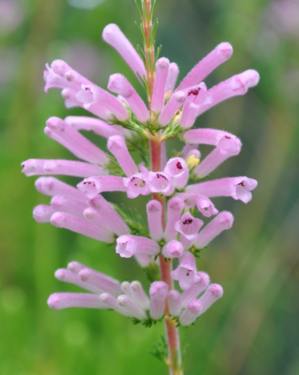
(121,86)
(178,170)
(78,91)
(159,90)
(234,86)
(34,167)
(71,139)
(158,294)
(188,226)
(94,125)
(239,188)
(173,249)
(174,209)
(173,105)
(102,213)
(199,286)
(191,312)
(218,56)
(117,146)
(226,148)
(92,186)
(42,213)
(136,185)
(223,221)
(204,136)
(160,182)
(173,73)
(174,302)
(205,206)
(115,37)
(129,245)
(154,219)
(82,226)
(186,273)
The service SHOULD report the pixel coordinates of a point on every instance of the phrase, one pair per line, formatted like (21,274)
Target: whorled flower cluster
(130,299)
(120,115)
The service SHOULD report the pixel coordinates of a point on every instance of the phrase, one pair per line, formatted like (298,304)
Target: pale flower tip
(29,167)
(104,297)
(173,249)
(250,78)
(42,213)
(216,290)
(84,274)
(180,96)
(204,278)
(60,274)
(53,301)
(109,31)
(195,307)
(252,183)
(154,206)
(158,288)
(54,123)
(57,219)
(59,66)
(162,63)
(226,49)
(115,142)
(226,219)
(74,266)
(44,184)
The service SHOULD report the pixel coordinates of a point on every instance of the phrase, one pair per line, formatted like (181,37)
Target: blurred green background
(254,329)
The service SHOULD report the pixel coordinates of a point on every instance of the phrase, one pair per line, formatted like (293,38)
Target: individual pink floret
(92,186)
(158,296)
(59,301)
(173,105)
(239,188)
(121,86)
(207,65)
(237,85)
(173,249)
(226,148)
(174,209)
(178,170)
(188,226)
(129,245)
(116,38)
(223,221)
(46,167)
(186,273)
(159,89)
(154,219)
(173,73)
(82,226)
(118,148)
(94,125)
(72,140)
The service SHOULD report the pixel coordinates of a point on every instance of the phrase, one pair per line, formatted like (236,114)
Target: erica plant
(181,215)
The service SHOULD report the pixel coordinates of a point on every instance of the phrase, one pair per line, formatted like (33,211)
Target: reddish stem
(173,341)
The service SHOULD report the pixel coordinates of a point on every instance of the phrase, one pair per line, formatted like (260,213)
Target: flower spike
(170,184)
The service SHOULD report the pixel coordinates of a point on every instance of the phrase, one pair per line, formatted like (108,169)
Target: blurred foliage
(254,329)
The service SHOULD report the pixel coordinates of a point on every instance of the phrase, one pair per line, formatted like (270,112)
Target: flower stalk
(174,360)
